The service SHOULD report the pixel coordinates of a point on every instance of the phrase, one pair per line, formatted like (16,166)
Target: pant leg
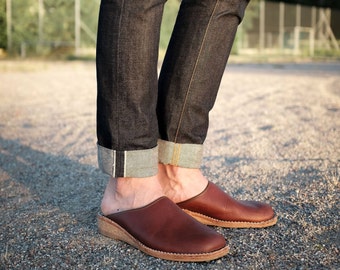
(127,56)
(191,74)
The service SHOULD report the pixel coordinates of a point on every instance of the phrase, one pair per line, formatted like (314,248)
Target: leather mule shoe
(214,207)
(161,229)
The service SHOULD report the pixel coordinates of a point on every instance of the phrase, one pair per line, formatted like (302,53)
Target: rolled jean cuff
(135,163)
(179,154)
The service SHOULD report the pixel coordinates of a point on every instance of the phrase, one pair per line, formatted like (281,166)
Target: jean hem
(179,154)
(134,163)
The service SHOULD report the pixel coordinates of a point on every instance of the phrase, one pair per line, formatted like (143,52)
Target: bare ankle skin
(177,183)
(180,184)
(129,193)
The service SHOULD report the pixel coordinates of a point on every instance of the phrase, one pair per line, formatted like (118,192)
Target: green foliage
(3,37)
(58,21)
(252,14)
(169,18)
(24,22)
(52,32)
(49,30)
(327,53)
(57,25)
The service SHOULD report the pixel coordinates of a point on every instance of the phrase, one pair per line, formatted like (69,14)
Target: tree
(47,24)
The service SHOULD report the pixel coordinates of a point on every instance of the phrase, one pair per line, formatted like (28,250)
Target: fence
(280,28)
(69,26)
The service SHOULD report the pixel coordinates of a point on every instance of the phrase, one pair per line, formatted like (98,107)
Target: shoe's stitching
(227,221)
(182,254)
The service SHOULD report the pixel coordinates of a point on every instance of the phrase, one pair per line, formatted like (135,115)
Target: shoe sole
(230,224)
(110,229)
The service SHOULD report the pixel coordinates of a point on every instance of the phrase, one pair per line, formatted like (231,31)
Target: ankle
(180,175)
(128,193)
(180,183)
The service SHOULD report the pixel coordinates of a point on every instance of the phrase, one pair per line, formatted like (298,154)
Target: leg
(193,68)
(189,81)
(134,207)
(127,55)
(188,85)
(127,131)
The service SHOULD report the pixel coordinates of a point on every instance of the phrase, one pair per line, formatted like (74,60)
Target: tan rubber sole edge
(111,229)
(230,224)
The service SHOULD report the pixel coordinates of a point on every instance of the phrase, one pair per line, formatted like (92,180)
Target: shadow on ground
(49,204)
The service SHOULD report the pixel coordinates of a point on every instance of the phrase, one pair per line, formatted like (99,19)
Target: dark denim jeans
(142,120)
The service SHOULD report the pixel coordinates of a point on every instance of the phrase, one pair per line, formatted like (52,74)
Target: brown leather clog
(214,207)
(161,229)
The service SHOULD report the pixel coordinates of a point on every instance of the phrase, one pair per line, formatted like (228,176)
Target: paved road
(274,136)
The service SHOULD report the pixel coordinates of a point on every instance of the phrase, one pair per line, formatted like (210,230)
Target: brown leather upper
(215,203)
(163,226)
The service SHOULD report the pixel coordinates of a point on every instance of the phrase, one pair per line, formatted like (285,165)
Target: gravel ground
(274,136)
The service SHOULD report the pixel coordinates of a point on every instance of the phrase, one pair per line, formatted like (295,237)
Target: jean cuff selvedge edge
(134,163)
(179,154)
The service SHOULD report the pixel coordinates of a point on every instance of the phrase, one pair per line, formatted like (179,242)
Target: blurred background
(273,136)
(66,29)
